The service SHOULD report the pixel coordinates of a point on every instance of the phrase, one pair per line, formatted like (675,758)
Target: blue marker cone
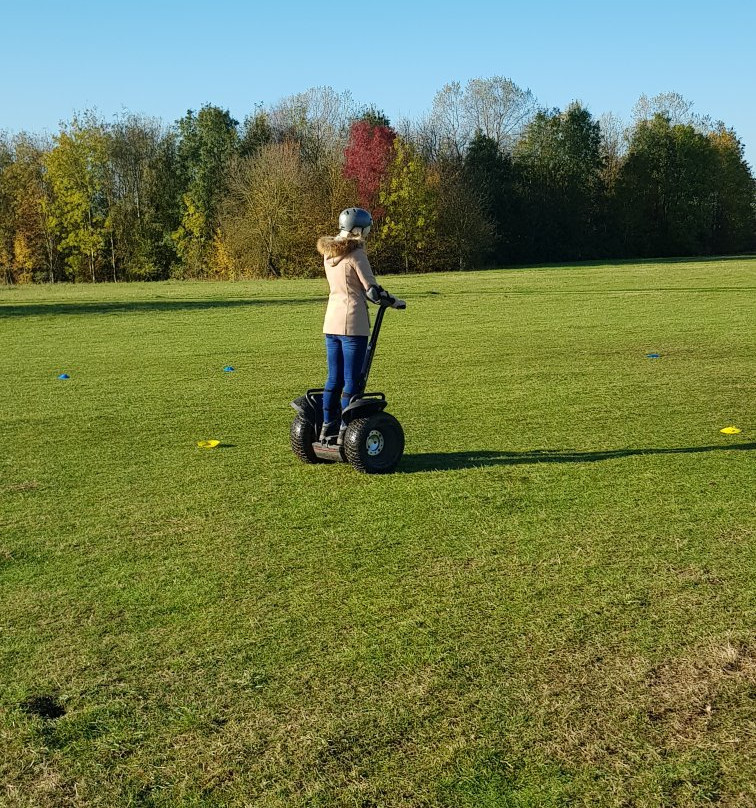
(228,369)
(64,376)
(653,356)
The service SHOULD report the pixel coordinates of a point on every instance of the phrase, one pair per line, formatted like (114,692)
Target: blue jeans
(345,358)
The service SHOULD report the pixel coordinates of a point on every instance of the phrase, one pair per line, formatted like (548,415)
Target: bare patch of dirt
(687,696)
(691,717)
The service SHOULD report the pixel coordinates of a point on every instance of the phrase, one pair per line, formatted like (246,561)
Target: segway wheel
(374,444)
(302,435)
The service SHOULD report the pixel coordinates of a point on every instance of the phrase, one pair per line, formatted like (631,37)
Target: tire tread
(356,434)
(302,435)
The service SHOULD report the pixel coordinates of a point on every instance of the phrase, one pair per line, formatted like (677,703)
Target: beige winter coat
(349,276)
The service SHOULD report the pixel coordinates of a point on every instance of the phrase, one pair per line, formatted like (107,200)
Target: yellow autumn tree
(409,223)
(76,169)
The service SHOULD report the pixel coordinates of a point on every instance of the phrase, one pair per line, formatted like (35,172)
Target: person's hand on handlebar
(377,294)
(392,301)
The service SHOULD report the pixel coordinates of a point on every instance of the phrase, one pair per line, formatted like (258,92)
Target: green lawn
(551,603)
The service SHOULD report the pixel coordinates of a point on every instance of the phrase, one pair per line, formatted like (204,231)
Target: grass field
(551,603)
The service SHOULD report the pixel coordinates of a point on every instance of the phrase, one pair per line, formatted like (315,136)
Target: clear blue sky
(164,57)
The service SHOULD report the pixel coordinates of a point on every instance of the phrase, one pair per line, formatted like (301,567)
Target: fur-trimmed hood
(337,248)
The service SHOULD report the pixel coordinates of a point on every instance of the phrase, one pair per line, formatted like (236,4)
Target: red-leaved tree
(367,157)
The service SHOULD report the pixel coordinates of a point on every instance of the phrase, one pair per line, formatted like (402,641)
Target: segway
(373,441)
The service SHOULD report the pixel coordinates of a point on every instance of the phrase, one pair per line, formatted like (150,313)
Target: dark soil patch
(43,706)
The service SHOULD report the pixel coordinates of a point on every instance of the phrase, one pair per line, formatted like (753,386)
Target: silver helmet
(353,219)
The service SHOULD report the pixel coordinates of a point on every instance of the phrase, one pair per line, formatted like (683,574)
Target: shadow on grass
(129,307)
(449,461)
(638,261)
(598,292)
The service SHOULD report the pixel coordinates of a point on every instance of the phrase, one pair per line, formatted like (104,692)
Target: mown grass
(550,604)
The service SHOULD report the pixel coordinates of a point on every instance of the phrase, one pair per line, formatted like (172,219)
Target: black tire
(302,435)
(375,444)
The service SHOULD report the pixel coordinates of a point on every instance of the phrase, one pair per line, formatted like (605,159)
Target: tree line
(488,177)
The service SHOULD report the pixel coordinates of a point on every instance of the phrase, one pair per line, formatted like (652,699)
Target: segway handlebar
(387,299)
(377,294)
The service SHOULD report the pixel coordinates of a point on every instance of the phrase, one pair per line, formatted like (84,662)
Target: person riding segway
(350,424)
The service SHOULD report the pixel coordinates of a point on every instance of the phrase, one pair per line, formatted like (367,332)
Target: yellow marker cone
(211,444)
(731,430)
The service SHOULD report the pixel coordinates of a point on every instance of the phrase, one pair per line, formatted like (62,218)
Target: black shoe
(329,430)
